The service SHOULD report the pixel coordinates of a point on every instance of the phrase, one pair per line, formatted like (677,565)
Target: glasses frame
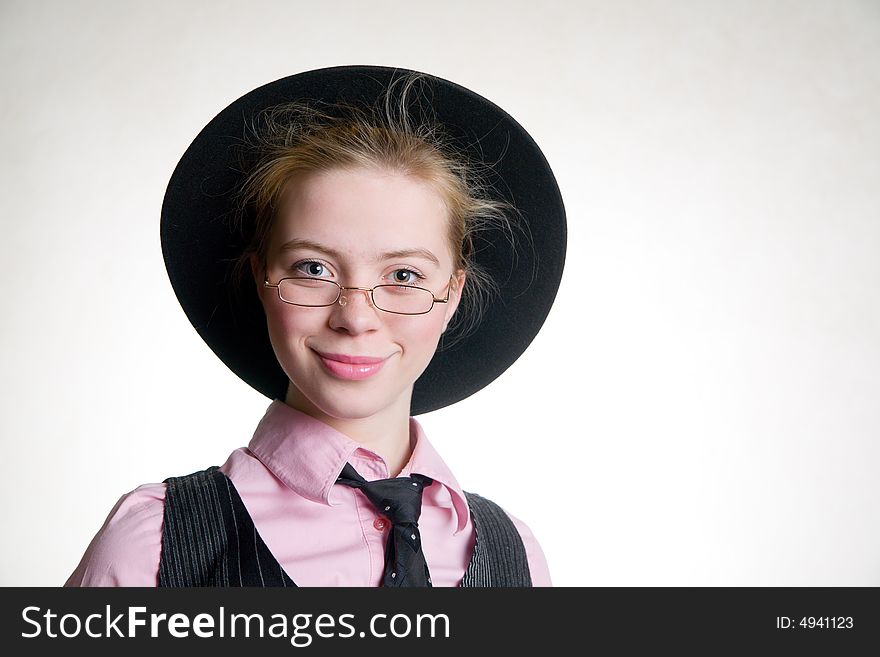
(340,288)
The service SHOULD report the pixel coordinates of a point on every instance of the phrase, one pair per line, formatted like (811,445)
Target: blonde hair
(296,138)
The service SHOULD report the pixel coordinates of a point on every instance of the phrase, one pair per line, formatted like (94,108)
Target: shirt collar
(308,455)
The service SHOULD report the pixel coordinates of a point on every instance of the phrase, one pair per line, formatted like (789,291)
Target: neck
(387,433)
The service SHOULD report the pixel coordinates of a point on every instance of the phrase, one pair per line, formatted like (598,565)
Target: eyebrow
(298,243)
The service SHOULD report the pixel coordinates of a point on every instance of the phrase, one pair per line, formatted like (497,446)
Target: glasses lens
(403,299)
(308,291)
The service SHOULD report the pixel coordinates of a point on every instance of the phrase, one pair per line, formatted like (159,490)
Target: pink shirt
(322,534)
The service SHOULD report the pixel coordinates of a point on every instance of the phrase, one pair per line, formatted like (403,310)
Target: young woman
(365,235)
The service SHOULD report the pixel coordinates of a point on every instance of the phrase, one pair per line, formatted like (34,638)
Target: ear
(455,290)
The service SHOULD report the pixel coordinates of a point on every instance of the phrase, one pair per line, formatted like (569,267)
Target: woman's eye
(311,268)
(405,276)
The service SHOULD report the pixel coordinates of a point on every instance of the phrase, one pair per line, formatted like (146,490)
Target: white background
(702,406)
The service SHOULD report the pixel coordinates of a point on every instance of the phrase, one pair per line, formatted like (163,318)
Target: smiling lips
(351,367)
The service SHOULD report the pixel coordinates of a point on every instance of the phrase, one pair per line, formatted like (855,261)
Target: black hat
(200,245)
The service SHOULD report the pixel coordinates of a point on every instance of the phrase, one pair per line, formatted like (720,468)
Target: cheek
(286,327)
(421,334)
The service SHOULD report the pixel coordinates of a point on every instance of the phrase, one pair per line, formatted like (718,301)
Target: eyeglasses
(319,292)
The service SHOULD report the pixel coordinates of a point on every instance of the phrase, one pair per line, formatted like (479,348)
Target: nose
(354,313)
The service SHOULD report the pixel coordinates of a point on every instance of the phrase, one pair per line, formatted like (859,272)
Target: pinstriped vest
(209,539)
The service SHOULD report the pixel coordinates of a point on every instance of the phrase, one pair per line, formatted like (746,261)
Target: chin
(349,404)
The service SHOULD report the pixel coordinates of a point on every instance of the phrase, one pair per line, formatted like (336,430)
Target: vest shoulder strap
(209,539)
(499,558)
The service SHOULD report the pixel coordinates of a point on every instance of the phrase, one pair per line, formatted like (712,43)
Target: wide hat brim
(200,245)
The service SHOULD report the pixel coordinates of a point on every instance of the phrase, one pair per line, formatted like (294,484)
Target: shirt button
(380,523)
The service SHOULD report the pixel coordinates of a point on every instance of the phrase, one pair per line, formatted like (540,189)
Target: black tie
(400,500)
